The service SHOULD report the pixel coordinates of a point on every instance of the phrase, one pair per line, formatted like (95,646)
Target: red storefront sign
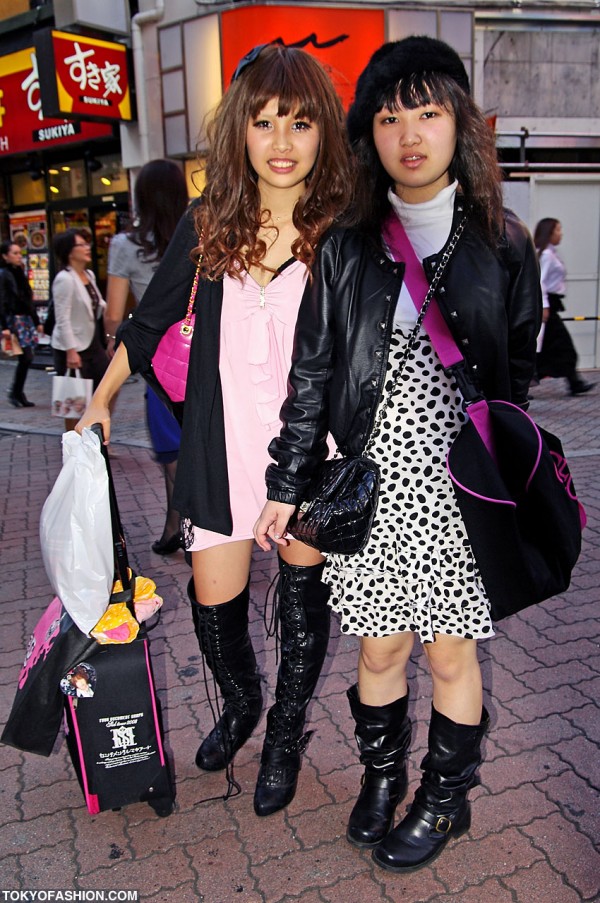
(82,77)
(23,126)
(342,39)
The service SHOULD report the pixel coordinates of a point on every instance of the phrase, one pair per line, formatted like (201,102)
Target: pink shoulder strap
(448,352)
(399,244)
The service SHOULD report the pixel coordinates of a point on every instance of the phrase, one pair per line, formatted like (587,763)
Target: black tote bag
(519,507)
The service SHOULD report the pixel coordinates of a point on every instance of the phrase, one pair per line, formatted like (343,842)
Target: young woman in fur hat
(427,159)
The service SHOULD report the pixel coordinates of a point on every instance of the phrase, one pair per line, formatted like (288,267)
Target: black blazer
(201,486)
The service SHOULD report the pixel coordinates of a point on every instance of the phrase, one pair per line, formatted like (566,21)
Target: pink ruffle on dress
(257,336)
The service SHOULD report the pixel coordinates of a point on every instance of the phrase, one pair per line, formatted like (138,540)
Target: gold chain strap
(186,327)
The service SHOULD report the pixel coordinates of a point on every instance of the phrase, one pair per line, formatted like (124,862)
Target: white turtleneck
(428,227)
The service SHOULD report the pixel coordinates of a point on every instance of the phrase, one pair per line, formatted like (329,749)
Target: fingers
(106,430)
(94,415)
(278,529)
(272,525)
(261,529)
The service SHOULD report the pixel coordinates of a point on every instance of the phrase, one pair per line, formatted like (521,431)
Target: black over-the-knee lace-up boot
(383,736)
(304,620)
(440,809)
(222,632)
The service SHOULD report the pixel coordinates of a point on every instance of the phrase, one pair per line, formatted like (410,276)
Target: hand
(273,523)
(96,412)
(6,333)
(73,360)
(40,328)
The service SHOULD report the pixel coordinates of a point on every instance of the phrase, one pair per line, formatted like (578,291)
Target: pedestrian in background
(427,160)
(78,336)
(160,199)
(18,317)
(278,176)
(557,356)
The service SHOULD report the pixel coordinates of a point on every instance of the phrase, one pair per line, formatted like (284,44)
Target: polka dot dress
(417,572)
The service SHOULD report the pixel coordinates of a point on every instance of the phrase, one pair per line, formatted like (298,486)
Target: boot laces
(220,723)
(272,612)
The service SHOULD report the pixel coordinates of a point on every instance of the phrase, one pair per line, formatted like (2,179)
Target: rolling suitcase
(112,713)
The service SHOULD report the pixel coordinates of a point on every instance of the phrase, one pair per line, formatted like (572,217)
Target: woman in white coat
(78,336)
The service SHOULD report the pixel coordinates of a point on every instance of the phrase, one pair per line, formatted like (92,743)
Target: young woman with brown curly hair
(278,176)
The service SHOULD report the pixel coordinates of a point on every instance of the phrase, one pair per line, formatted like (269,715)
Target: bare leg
(457,686)
(382,668)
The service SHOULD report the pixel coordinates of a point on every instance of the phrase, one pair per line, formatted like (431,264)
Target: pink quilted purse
(172,356)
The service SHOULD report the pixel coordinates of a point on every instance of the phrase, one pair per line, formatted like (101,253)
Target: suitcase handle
(120,546)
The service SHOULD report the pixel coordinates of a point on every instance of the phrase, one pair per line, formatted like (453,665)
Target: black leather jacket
(491,302)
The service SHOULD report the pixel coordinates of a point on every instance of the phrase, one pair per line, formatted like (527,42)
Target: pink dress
(257,336)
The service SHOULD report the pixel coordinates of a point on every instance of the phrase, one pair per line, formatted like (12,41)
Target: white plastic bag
(76,532)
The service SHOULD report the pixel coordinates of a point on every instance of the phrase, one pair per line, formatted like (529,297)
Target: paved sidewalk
(535,834)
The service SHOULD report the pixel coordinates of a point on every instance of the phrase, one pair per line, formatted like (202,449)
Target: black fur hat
(392,63)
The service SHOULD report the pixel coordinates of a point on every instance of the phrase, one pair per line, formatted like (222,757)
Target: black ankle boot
(440,809)
(383,736)
(222,632)
(304,618)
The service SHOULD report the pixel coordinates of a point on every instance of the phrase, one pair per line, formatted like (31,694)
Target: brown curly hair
(230,215)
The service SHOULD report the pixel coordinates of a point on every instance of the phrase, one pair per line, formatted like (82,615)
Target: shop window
(176,141)
(171,51)
(26,190)
(110,177)
(457,30)
(66,180)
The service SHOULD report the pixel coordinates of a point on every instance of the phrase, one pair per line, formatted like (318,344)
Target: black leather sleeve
(302,444)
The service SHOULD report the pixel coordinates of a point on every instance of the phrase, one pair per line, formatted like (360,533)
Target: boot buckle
(443,825)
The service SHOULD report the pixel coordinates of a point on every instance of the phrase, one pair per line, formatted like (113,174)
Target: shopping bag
(10,347)
(75,531)
(519,506)
(71,394)
(54,647)
(113,719)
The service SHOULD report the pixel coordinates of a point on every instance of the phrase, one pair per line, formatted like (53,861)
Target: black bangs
(418,91)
